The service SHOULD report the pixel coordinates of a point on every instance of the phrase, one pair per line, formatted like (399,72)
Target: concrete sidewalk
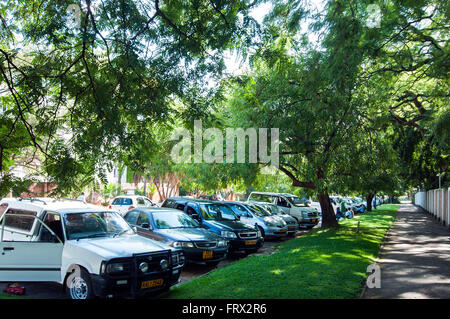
(415,258)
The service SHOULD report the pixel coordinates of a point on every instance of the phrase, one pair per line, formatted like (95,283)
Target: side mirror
(145,225)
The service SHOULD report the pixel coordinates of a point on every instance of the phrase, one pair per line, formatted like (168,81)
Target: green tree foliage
(86,90)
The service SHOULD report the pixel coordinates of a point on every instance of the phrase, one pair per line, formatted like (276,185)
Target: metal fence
(436,202)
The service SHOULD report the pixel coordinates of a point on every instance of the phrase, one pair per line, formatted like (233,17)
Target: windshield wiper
(120,233)
(93,235)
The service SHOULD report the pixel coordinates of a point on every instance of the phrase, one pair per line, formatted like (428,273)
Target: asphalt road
(55,291)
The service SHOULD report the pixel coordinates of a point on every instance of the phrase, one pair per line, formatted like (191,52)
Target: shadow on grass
(326,263)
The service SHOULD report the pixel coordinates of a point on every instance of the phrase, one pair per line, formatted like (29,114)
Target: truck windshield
(165,220)
(296,200)
(95,224)
(217,212)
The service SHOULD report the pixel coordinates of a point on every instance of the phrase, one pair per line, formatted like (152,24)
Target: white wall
(420,199)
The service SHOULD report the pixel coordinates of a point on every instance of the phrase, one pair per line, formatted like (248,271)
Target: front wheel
(78,285)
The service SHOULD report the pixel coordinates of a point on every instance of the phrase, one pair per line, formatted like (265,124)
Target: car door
(144,227)
(37,258)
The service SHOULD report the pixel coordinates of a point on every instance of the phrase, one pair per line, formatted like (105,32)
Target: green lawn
(328,263)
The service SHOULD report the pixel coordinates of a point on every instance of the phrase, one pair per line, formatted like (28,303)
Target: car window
(238,209)
(3,208)
(24,223)
(282,202)
(191,211)
(131,217)
(95,224)
(140,201)
(164,220)
(53,221)
(297,201)
(168,203)
(147,202)
(217,212)
(143,219)
(179,206)
(261,198)
(259,210)
(122,201)
(273,209)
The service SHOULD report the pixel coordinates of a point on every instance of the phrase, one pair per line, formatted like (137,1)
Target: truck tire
(78,285)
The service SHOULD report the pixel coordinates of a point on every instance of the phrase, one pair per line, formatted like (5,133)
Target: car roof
(58,205)
(273,194)
(260,203)
(182,199)
(234,202)
(130,196)
(156,209)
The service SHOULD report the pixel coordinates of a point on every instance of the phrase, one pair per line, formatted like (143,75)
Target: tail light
(110,207)
(131,207)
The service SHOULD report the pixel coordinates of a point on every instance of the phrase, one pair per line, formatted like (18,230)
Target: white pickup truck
(90,250)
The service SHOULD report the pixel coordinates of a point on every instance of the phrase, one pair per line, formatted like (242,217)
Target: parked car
(178,229)
(269,225)
(289,204)
(274,210)
(124,203)
(355,206)
(89,250)
(220,219)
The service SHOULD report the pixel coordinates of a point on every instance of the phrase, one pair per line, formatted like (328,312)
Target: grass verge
(325,263)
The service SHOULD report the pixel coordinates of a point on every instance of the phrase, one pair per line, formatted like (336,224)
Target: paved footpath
(415,258)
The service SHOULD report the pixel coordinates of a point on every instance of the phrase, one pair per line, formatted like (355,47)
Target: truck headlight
(227,234)
(305,214)
(115,268)
(183,244)
(143,266)
(222,243)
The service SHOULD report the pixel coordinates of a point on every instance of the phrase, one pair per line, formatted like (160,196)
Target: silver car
(274,210)
(268,224)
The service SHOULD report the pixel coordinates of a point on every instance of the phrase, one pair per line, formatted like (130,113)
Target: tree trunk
(369,199)
(328,215)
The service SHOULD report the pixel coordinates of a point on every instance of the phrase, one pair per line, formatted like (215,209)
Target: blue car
(269,225)
(177,229)
(219,218)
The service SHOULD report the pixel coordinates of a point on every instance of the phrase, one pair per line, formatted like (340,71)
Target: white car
(124,203)
(89,250)
(289,204)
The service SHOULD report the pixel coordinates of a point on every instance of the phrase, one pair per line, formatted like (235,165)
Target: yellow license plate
(314,220)
(152,283)
(291,227)
(208,254)
(282,230)
(250,242)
